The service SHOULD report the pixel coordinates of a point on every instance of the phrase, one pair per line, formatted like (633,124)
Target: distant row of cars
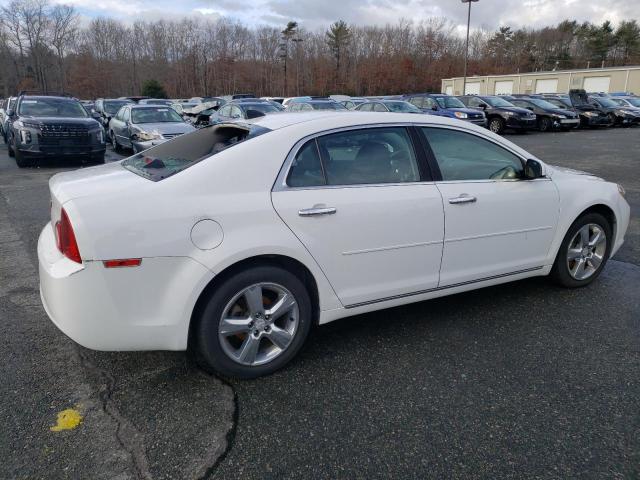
(36,126)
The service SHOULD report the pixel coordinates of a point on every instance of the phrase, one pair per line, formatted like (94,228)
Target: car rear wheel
(584,251)
(545,124)
(496,125)
(253,323)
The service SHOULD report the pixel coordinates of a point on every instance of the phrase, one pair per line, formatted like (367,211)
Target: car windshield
(260,107)
(497,102)
(327,106)
(559,103)
(154,115)
(112,106)
(544,104)
(449,102)
(52,107)
(402,107)
(607,102)
(169,158)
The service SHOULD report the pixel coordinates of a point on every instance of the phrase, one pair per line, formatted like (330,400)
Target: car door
(123,134)
(362,204)
(496,222)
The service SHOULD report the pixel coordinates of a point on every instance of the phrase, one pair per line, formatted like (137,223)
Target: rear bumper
(140,308)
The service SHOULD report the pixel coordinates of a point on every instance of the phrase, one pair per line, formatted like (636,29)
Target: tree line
(44,46)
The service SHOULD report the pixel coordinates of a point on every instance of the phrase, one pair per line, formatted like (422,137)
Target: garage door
(547,86)
(449,90)
(597,84)
(504,87)
(472,88)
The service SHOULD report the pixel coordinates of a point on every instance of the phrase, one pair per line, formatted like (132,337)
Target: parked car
(627,101)
(549,116)
(182,108)
(107,108)
(43,126)
(397,106)
(205,99)
(589,116)
(353,102)
(618,115)
(501,114)
(10,104)
(286,101)
(234,240)
(143,126)
(155,101)
(446,106)
(242,110)
(88,105)
(274,99)
(314,104)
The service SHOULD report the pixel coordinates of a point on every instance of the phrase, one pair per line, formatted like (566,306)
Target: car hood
(109,178)
(89,122)
(556,171)
(468,111)
(564,111)
(166,127)
(520,110)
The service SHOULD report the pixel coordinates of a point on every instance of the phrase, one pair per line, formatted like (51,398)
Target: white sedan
(234,240)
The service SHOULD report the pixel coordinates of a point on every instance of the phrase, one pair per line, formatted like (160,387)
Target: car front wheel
(253,323)
(496,125)
(584,251)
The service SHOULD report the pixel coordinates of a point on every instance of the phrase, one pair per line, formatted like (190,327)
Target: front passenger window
(463,156)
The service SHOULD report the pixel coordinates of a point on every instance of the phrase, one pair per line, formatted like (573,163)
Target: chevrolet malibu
(234,240)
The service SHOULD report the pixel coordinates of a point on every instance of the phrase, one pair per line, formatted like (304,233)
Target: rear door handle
(316,211)
(462,198)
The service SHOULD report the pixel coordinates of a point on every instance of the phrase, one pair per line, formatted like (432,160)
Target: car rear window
(169,158)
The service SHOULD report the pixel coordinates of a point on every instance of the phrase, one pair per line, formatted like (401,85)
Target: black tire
(613,120)
(98,158)
(10,150)
(545,124)
(114,142)
(560,271)
(21,161)
(205,342)
(496,125)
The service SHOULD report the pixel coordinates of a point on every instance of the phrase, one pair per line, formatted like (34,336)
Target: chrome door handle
(316,210)
(463,198)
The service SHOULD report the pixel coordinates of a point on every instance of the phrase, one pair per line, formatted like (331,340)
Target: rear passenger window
(368,156)
(306,170)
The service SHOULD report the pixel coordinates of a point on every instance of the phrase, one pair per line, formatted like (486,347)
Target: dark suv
(501,114)
(53,126)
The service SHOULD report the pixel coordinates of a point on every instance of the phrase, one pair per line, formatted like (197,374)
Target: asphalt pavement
(522,380)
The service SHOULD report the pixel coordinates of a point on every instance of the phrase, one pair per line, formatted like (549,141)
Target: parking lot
(522,380)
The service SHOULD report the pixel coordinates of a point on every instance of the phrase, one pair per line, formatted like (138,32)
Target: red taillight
(123,262)
(66,239)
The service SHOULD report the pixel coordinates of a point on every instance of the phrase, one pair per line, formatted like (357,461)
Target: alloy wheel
(258,324)
(586,251)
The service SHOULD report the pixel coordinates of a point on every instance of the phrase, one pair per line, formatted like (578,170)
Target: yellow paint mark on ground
(67,420)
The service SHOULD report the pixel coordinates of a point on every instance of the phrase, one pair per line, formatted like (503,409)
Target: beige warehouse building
(615,79)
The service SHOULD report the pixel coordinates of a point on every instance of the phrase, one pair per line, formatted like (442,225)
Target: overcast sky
(312,14)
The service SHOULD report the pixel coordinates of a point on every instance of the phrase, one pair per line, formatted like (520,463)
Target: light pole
(466,48)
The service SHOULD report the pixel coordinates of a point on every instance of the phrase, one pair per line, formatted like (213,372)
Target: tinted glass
(497,102)
(260,107)
(327,106)
(402,107)
(374,155)
(51,107)
(112,106)
(172,157)
(417,101)
(306,170)
(463,156)
(449,102)
(378,107)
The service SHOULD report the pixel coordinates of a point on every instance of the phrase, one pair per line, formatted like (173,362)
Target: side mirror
(532,169)
(95,115)
(434,107)
(530,108)
(483,106)
(9,112)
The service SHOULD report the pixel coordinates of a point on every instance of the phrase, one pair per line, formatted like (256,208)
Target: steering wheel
(506,173)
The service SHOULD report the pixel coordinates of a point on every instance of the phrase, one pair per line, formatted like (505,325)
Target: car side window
(378,107)
(306,169)
(369,156)
(235,112)
(224,111)
(464,156)
(417,101)
(428,102)
(119,114)
(366,107)
(475,102)
(126,115)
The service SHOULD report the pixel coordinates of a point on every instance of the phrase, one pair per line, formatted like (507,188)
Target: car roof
(139,106)
(57,97)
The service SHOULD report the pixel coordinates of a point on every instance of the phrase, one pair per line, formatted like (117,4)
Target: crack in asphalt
(128,437)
